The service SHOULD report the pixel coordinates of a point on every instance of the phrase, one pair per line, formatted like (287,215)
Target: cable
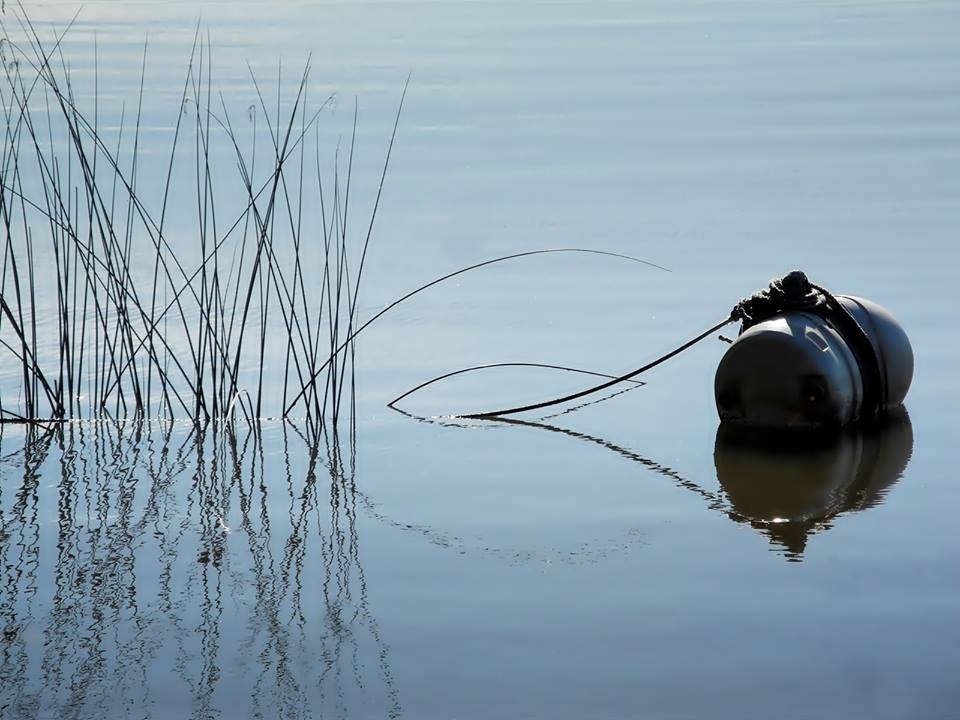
(602,386)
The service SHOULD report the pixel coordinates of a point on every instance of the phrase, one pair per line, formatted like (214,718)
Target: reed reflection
(19,558)
(165,570)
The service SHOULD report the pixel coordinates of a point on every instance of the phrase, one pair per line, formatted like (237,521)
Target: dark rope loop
(792,292)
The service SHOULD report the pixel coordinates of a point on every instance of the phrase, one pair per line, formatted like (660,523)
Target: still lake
(617,561)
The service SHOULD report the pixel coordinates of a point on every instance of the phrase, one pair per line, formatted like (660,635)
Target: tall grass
(144,322)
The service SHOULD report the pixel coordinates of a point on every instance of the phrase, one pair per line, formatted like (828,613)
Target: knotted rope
(792,292)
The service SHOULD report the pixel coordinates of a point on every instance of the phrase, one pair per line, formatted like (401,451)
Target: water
(615,562)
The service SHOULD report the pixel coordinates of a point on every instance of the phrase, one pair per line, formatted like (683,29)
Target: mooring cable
(490,414)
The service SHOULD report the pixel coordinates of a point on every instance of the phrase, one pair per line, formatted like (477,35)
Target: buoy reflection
(789,488)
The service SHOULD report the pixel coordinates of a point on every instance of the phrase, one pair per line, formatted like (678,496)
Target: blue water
(618,561)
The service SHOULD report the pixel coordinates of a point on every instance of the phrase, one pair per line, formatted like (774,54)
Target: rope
(602,386)
(865,352)
(792,292)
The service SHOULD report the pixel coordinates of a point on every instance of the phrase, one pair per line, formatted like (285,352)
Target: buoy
(808,360)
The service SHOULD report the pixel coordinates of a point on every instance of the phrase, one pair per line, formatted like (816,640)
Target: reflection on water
(185,572)
(792,488)
(787,487)
(164,570)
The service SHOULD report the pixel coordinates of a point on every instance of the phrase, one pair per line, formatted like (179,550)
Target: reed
(105,312)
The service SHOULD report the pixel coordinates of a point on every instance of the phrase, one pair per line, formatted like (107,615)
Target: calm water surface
(623,560)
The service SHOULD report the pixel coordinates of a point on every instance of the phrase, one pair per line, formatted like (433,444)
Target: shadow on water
(787,487)
(147,569)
